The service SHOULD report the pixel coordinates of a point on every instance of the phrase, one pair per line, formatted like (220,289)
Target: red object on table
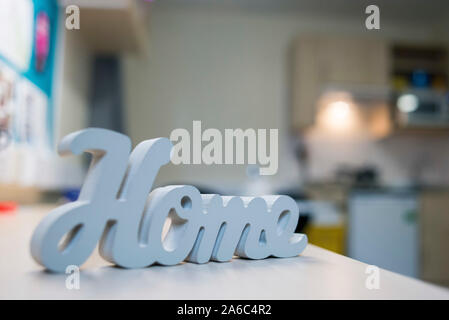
(7,207)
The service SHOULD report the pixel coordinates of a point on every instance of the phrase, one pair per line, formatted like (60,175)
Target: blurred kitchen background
(363,115)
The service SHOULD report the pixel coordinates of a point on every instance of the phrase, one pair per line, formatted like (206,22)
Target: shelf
(430,60)
(114,26)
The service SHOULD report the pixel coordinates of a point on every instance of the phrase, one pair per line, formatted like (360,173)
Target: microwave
(421,108)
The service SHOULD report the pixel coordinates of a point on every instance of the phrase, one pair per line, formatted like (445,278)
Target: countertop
(315,274)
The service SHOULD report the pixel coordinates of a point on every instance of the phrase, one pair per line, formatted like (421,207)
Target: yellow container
(330,237)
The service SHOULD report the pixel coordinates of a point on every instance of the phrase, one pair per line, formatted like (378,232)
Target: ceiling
(423,10)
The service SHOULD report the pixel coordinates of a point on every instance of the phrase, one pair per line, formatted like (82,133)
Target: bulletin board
(28,30)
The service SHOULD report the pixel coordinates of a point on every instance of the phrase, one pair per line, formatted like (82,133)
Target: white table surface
(316,274)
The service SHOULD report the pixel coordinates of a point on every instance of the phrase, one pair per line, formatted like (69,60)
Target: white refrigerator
(383,230)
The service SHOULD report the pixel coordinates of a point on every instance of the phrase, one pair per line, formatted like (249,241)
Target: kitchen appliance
(421,108)
(383,229)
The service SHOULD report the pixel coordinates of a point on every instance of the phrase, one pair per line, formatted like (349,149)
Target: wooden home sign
(118,209)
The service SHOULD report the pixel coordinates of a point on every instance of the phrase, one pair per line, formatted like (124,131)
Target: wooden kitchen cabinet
(434,236)
(354,61)
(344,63)
(113,26)
(306,81)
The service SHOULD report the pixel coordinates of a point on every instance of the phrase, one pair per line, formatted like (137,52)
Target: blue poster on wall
(41,66)
(28,30)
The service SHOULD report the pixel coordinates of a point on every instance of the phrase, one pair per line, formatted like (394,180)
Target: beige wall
(71,103)
(223,68)
(72,112)
(229,69)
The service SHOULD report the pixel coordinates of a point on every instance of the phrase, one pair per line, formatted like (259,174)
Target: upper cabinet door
(354,61)
(345,62)
(114,26)
(307,79)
